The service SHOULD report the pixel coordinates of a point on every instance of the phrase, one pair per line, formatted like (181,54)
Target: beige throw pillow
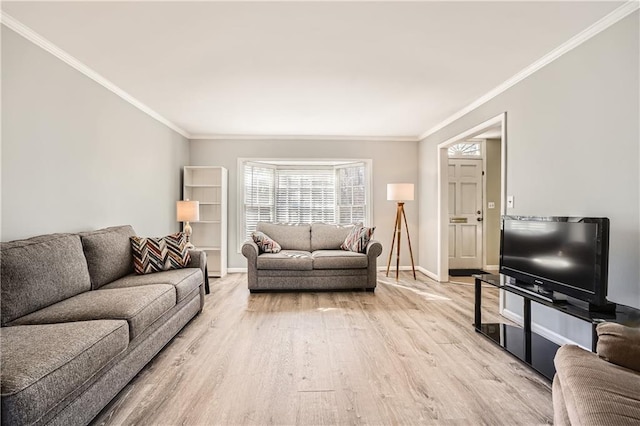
(619,344)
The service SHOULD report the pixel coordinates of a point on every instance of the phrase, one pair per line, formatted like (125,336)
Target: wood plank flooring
(406,354)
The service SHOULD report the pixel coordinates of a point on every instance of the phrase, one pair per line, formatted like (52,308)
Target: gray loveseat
(78,324)
(311,259)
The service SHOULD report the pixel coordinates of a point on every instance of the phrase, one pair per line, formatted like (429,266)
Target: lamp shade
(400,192)
(188,211)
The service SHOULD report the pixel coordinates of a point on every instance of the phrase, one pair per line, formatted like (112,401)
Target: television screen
(563,254)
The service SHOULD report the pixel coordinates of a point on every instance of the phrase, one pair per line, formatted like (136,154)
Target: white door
(465,214)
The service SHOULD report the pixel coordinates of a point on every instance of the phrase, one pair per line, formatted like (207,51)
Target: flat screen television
(567,255)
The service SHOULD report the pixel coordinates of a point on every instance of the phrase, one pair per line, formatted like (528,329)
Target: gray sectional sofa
(311,259)
(78,324)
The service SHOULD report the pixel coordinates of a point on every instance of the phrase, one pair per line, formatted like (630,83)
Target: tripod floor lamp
(400,192)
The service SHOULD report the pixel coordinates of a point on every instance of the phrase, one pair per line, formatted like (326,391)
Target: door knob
(479,219)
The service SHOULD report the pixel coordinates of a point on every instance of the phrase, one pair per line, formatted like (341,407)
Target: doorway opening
(471,199)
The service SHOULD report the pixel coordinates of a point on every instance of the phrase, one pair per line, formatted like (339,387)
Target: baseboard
(428,273)
(408,268)
(237,270)
(491,267)
(541,331)
(512,316)
(393,268)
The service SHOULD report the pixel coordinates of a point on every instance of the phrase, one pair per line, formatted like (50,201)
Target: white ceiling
(385,69)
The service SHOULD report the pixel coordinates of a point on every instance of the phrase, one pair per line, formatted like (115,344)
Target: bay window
(303,191)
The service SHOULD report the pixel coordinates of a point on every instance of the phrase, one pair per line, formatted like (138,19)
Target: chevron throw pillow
(358,239)
(159,254)
(265,243)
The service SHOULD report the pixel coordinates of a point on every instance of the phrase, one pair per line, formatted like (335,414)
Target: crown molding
(596,28)
(305,137)
(26,32)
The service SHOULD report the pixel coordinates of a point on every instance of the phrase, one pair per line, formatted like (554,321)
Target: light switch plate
(491,205)
(510,201)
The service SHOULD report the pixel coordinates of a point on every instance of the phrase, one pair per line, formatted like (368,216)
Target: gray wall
(572,149)
(492,216)
(77,157)
(392,162)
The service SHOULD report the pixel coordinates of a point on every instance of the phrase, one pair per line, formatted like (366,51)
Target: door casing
(443,187)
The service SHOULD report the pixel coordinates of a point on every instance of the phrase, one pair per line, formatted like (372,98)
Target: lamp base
(187,233)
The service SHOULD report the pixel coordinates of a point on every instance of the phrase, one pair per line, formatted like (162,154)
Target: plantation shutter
(305,195)
(259,182)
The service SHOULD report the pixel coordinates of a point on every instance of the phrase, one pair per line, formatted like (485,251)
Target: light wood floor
(406,354)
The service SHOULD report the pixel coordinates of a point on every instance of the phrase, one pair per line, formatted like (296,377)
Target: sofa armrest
(619,344)
(198,260)
(373,249)
(250,250)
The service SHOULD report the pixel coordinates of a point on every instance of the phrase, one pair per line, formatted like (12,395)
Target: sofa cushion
(358,239)
(108,253)
(328,237)
(293,260)
(619,344)
(160,254)
(139,306)
(290,237)
(265,243)
(339,259)
(40,271)
(43,364)
(184,280)
(595,391)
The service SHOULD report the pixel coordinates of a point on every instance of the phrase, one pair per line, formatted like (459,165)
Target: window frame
(367,191)
(241,193)
(336,163)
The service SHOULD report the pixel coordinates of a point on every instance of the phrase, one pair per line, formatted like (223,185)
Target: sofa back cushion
(328,237)
(108,253)
(290,237)
(40,271)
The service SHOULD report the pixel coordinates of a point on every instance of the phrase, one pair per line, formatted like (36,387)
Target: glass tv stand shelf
(531,348)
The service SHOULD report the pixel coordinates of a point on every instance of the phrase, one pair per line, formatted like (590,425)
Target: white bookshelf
(208,185)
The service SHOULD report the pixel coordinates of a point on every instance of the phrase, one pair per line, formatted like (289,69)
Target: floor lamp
(400,192)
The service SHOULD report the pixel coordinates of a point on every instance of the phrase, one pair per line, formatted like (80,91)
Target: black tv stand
(534,349)
(558,298)
(608,308)
(539,292)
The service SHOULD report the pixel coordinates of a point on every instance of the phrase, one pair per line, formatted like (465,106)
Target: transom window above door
(465,149)
(303,191)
